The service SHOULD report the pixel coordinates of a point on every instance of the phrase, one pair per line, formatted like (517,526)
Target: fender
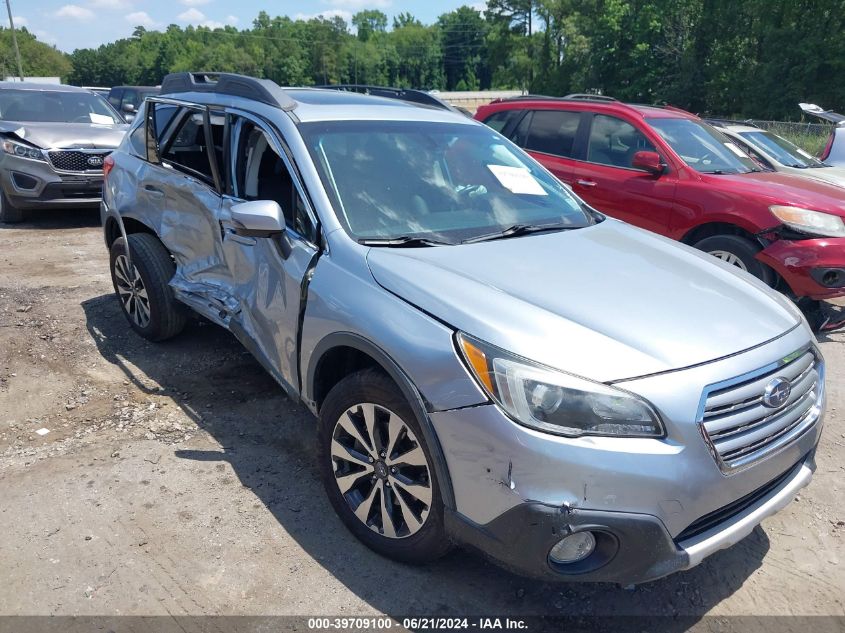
(406,386)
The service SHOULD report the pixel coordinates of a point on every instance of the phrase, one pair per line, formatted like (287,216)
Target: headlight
(22,151)
(552,401)
(807,221)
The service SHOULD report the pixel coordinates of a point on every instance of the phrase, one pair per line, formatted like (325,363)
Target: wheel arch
(710,229)
(713,229)
(342,353)
(111,228)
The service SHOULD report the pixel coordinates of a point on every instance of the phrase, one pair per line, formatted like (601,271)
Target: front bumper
(510,481)
(635,548)
(30,184)
(813,268)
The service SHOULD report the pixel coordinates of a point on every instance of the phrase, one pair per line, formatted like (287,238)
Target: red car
(665,170)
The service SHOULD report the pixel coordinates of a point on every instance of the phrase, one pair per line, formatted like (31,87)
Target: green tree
(38,59)
(369,22)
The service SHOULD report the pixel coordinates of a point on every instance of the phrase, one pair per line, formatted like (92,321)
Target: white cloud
(194,3)
(45,37)
(360,4)
(19,20)
(191,15)
(75,12)
(140,18)
(109,4)
(328,15)
(231,20)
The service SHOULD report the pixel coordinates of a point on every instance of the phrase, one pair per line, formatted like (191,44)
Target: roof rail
(572,97)
(419,97)
(724,122)
(668,106)
(583,96)
(261,90)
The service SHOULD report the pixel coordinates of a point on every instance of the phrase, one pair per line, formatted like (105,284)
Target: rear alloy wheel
(377,469)
(737,251)
(143,287)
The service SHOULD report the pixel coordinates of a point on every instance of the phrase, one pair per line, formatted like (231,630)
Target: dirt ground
(177,479)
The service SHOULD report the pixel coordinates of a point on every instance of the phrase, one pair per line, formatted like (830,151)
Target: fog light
(573,548)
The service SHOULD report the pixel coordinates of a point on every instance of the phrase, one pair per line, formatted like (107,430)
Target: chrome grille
(742,429)
(77,160)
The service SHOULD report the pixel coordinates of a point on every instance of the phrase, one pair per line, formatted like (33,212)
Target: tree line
(754,58)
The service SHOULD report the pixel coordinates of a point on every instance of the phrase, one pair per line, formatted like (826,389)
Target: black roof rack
(419,97)
(261,90)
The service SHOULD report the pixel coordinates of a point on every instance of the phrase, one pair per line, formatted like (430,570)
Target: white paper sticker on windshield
(736,150)
(100,119)
(517,180)
(804,154)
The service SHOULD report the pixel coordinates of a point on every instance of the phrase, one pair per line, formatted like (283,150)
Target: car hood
(783,188)
(609,302)
(67,135)
(832,175)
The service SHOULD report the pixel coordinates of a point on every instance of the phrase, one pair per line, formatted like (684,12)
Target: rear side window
(553,132)
(187,149)
(164,113)
(161,115)
(614,142)
(500,120)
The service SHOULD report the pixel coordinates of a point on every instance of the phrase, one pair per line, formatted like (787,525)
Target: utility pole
(15,40)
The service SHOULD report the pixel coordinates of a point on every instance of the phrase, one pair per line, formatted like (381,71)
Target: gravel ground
(176,479)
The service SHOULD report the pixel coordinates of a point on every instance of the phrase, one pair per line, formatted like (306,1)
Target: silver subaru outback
(492,362)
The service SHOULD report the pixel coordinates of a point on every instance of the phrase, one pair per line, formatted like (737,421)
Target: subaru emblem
(776,393)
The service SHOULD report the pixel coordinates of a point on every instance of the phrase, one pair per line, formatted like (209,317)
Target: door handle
(153,191)
(586,183)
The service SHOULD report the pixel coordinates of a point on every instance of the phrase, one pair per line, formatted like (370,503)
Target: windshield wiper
(518,229)
(403,241)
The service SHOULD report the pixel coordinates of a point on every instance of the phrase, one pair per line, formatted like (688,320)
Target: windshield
(53,106)
(781,150)
(445,182)
(702,147)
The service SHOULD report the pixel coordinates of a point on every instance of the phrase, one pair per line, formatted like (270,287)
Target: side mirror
(648,161)
(128,108)
(258,218)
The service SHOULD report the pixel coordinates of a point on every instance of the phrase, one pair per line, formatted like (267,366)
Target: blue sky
(71,24)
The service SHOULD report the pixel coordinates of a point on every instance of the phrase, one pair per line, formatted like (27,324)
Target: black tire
(165,315)
(9,214)
(430,541)
(743,249)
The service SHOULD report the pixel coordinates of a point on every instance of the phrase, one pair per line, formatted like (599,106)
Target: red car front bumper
(812,268)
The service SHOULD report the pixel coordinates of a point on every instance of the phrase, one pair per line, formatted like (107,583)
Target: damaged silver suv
(492,362)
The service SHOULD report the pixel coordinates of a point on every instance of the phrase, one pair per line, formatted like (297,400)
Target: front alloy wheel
(381,470)
(377,469)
